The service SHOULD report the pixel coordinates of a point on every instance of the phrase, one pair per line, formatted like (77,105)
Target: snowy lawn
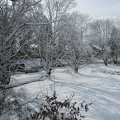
(94,83)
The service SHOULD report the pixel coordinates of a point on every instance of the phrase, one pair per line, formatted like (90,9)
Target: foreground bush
(53,109)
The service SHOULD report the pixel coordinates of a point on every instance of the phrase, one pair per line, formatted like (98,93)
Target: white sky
(100,8)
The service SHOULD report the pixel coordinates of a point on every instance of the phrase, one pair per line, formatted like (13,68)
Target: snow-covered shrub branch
(54,109)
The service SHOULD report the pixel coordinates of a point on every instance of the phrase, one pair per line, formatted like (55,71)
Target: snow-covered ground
(95,83)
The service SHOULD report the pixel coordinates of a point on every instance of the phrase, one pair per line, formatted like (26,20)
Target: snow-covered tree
(114,44)
(76,27)
(14,16)
(48,34)
(13,29)
(100,33)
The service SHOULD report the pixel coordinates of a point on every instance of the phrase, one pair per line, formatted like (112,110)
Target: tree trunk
(76,69)
(115,60)
(105,61)
(49,72)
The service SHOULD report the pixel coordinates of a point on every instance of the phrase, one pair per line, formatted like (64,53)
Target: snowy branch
(42,78)
(42,23)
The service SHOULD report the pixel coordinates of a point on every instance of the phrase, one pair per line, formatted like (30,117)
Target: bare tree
(14,17)
(77,28)
(114,45)
(100,32)
(12,24)
(48,34)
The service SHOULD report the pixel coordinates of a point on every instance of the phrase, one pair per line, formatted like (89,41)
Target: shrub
(54,109)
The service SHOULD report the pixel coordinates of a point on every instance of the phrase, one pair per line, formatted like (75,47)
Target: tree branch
(42,78)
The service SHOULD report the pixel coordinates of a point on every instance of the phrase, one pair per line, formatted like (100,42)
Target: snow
(90,84)
(97,47)
(29,63)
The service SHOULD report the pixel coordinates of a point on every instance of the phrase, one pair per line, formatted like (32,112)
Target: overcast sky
(100,8)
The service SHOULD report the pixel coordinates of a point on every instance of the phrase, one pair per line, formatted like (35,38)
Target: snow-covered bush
(54,109)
